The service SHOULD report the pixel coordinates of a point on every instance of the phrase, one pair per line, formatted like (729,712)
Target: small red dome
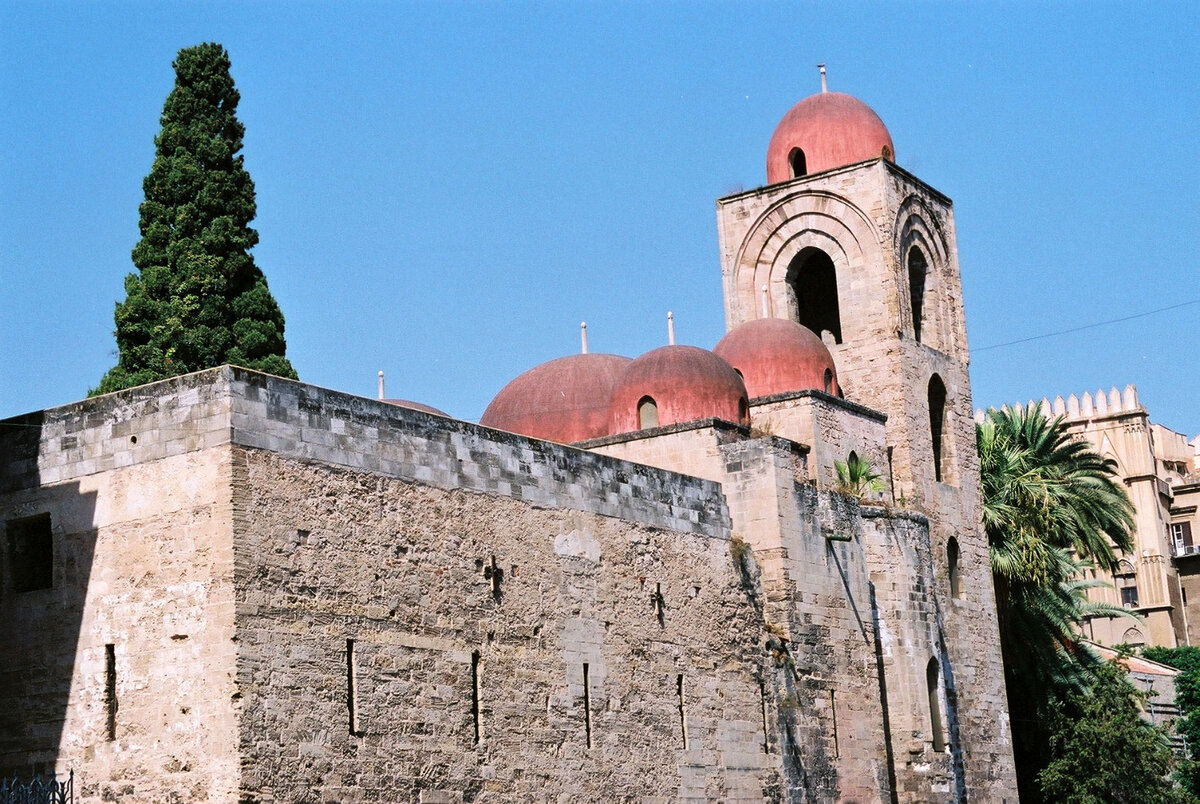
(829,129)
(564,400)
(405,403)
(775,355)
(684,383)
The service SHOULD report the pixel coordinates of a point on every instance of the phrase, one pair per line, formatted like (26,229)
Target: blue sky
(445,190)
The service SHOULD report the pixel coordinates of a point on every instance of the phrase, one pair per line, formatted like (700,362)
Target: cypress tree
(197,299)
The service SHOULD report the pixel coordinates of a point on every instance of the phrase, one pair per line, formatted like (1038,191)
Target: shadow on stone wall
(47,540)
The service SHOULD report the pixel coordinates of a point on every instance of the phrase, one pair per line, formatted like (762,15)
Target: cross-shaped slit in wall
(660,605)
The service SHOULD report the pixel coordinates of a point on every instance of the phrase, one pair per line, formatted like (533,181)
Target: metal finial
(824,85)
(766,302)
(670,328)
(583,335)
(381,384)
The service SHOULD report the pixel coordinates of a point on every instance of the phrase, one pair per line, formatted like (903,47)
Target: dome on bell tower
(824,131)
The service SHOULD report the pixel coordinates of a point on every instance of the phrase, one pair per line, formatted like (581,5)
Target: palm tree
(1051,511)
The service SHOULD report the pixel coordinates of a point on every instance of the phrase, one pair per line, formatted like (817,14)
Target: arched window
(932,683)
(743,412)
(937,417)
(813,281)
(956,588)
(917,268)
(647,413)
(798,162)
(1133,638)
(829,381)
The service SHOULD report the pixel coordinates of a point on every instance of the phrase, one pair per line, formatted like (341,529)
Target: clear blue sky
(445,190)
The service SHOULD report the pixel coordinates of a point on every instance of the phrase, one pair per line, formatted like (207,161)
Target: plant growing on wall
(856,477)
(197,299)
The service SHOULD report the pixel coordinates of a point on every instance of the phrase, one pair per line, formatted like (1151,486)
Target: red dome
(685,383)
(775,355)
(831,129)
(405,403)
(565,400)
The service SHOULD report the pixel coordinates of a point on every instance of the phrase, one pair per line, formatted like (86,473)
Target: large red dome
(684,383)
(775,355)
(564,400)
(829,129)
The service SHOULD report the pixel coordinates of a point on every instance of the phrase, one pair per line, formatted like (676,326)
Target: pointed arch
(937,421)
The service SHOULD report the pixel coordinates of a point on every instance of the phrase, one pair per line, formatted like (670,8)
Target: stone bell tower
(848,244)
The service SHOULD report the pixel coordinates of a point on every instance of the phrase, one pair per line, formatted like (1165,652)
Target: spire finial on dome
(670,328)
(583,336)
(381,383)
(824,84)
(766,302)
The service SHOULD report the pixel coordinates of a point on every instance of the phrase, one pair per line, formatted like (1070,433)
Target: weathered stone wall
(867,218)
(832,428)
(136,487)
(803,551)
(693,448)
(422,579)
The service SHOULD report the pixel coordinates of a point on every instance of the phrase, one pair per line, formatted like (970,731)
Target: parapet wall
(246,408)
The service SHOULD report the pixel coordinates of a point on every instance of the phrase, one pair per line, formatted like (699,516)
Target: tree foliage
(1103,751)
(1050,509)
(197,299)
(1186,659)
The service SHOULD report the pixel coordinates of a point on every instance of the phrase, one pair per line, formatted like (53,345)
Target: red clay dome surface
(832,129)
(407,403)
(775,356)
(685,382)
(564,400)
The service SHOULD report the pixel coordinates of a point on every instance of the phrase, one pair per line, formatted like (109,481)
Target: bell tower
(862,252)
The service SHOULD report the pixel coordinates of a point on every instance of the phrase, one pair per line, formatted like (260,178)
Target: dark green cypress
(197,299)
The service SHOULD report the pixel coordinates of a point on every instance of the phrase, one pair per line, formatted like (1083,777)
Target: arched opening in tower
(917,269)
(813,281)
(937,417)
(932,678)
(798,163)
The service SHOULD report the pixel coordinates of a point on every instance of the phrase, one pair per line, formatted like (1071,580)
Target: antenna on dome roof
(766,298)
(824,85)
(583,335)
(670,328)
(381,384)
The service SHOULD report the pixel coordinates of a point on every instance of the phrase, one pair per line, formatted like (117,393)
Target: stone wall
(831,427)
(445,592)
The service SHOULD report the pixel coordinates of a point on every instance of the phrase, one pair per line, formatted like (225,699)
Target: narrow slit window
(478,733)
(762,702)
(683,729)
(917,270)
(956,587)
(587,707)
(829,381)
(351,688)
(932,681)
(110,692)
(937,418)
(833,715)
